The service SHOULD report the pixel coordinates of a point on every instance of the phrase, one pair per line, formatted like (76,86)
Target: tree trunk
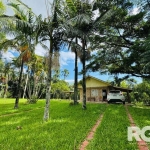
(6,86)
(48,85)
(84,76)
(34,85)
(47,105)
(25,84)
(18,86)
(76,79)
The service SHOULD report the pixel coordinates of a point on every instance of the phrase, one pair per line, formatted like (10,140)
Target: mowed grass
(112,132)
(67,128)
(141,117)
(7,105)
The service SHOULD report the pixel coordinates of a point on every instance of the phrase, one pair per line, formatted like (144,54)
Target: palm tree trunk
(25,84)
(18,87)
(48,85)
(76,79)
(6,86)
(84,77)
(47,105)
(34,86)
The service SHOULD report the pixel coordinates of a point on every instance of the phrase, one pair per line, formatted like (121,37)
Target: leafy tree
(58,88)
(117,81)
(36,74)
(122,44)
(141,92)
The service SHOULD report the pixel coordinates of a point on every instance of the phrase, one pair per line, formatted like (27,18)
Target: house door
(104,95)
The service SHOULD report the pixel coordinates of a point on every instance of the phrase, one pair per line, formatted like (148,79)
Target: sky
(66,57)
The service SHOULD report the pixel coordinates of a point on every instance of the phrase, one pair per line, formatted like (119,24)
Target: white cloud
(7,56)
(40,51)
(38,6)
(66,58)
(71,81)
(135,11)
(96,14)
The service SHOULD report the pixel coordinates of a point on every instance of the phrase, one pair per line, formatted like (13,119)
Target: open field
(68,126)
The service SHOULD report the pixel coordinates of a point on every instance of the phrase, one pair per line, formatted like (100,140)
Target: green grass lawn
(67,128)
(112,132)
(141,117)
(7,105)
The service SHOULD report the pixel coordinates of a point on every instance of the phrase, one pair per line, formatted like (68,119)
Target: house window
(94,92)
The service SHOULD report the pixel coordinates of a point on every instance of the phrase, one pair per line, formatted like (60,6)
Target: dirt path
(91,134)
(141,144)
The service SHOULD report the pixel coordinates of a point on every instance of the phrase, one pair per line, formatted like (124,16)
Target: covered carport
(123,90)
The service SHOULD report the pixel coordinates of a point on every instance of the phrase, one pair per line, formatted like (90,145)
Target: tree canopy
(122,43)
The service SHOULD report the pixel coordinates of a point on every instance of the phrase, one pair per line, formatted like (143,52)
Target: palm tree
(47,30)
(77,49)
(2,10)
(80,27)
(21,27)
(26,81)
(72,35)
(2,7)
(65,73)
(85,26)
(70,21)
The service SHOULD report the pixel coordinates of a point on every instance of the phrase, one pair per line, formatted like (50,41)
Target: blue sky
(66,62)
(66,57)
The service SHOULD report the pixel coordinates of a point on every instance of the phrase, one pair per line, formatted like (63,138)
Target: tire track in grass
(91,133)
(141,144)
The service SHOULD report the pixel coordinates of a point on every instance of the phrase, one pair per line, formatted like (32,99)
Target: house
(96,89)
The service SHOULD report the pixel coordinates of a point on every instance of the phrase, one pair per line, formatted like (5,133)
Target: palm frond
(71,6)
(44,46)
(19,13)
